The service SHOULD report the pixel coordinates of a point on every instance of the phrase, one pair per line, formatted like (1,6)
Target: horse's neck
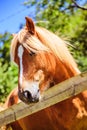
(64,71)
(12,98)
(58,69)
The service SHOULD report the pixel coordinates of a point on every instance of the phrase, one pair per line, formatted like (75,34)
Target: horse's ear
(30,25)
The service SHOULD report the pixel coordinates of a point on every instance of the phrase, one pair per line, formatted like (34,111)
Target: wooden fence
(60,92)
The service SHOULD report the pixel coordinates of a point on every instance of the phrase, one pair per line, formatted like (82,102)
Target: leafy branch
(78,6)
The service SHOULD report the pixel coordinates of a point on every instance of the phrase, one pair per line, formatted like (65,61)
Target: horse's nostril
(27,97)
(27,94)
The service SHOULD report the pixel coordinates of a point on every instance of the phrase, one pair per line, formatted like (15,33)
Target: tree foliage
(8,72)
(59,16)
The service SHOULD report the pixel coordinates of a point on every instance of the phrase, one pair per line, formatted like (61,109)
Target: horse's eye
(31,53)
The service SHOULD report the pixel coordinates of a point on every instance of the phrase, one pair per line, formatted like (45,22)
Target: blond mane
(56,45)
(13,46)
(43,41)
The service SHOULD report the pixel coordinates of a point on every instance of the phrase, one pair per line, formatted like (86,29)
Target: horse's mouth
(27,99)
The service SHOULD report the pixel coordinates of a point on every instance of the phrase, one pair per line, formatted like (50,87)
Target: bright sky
(12,14)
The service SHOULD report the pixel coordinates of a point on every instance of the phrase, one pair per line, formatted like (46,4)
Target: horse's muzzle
(27,97)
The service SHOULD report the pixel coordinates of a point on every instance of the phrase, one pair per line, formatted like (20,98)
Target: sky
(12,14)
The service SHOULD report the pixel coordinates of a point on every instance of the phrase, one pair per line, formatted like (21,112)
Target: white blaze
(20,55)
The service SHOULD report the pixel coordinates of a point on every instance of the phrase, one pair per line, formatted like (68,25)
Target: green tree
(8,72)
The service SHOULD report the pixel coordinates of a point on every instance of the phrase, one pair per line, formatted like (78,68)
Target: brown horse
(43,61)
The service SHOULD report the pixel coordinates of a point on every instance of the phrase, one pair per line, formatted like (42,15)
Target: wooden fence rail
(60,92)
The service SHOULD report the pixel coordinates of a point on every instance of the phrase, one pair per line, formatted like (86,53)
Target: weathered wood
(60,92)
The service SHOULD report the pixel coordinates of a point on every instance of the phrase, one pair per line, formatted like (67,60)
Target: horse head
(34,63)
(41,63)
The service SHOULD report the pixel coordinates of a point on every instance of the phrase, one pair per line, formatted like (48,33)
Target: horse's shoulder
(12,98)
